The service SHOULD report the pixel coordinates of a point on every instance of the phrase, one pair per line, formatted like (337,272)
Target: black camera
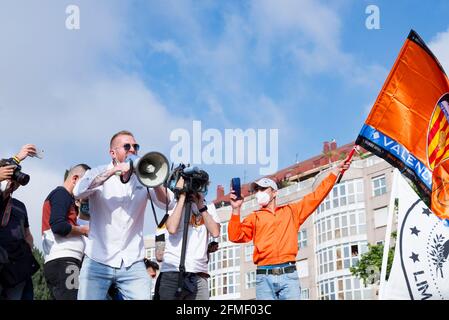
(195,180)
(18,176)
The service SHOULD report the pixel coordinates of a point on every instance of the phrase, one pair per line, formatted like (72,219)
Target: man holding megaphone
(117,200)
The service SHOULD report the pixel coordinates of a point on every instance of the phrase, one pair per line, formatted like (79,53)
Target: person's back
(56,243)
(14,232)
(62,238)
(16,241)
(15,277)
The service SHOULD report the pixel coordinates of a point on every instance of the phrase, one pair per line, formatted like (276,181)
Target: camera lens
(21,177)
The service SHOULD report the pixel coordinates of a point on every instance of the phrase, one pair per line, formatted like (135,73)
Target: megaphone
(151,169)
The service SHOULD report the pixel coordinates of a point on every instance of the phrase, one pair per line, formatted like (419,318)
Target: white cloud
(170,48)
(64,91)
(440,47)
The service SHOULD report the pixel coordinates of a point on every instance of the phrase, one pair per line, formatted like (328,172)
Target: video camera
(195,180)
(18,176)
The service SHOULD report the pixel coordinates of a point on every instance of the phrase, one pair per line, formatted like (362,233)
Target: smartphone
(235,183)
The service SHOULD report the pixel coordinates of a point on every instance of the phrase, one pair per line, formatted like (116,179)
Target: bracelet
(16,160)
(203,209)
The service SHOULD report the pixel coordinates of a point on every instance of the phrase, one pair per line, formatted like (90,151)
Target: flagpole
(351,154)
(383,272)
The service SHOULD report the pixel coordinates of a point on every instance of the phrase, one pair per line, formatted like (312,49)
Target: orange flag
(408,125)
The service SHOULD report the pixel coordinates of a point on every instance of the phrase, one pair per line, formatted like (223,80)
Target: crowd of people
(92,234)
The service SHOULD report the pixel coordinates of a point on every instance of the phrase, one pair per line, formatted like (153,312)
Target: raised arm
(306,206)
(240,231)
(174,219)
(95,178)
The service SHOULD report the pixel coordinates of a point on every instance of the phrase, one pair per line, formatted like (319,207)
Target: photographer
(15,235)
(62,237)
(276,238)
(204,222)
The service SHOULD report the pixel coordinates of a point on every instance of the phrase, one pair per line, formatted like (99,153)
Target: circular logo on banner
(424,250)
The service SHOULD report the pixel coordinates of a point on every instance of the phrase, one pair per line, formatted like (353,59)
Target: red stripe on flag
(435,127)
(442,155)
(435,151)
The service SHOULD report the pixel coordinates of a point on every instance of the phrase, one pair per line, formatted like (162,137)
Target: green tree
(370,263)
(41,291)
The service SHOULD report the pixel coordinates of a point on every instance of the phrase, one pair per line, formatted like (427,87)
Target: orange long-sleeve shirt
(275,235)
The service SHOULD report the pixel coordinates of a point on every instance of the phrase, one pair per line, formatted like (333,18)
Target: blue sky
(310,69)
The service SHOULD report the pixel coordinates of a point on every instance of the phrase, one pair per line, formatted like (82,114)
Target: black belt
(277,271)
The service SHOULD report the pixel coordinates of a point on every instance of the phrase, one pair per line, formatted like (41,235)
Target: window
(250,280)
(305,294)
(226,257)
(224,232)
(379,185)
(302,238)
(303,268)
(347,255)
(343,194)
(326,261)
(226,283)
(349,288)
(340,225)
(327,290)
(249,250)
(151,254)
(354,250)
(380,217)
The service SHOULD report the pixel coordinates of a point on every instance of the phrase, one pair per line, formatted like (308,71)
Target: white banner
(420,268)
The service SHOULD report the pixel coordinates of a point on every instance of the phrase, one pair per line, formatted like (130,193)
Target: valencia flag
(408,125)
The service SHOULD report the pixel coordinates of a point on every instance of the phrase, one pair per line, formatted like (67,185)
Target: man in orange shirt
(274,231)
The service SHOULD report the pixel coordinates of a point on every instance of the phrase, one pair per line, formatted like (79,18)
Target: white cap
(265,183)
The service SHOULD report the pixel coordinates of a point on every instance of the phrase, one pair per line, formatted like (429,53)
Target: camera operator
(62,237)
(276,238)
(204,222)
(15,235)
(115,248)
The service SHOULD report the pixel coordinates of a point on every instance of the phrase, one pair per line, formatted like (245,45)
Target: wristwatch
(203,209)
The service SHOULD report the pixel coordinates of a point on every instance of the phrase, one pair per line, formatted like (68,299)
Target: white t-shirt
(197,243)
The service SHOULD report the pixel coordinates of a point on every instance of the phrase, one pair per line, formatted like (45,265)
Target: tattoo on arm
(100,179)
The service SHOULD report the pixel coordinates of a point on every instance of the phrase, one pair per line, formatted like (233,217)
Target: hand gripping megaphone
(151,169)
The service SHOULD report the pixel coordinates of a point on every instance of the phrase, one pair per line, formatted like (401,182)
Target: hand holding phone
(235,185)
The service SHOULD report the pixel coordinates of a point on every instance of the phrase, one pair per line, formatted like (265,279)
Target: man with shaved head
(62,238)
(115,247)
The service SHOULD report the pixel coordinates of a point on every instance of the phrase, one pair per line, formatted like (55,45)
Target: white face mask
(262,198)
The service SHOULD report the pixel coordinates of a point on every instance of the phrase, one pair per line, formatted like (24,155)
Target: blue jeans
(95,279)
(278,287)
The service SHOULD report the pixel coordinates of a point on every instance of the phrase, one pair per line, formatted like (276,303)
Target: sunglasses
(127,147)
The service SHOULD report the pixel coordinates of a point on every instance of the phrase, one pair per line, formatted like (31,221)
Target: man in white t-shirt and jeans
(204,222)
